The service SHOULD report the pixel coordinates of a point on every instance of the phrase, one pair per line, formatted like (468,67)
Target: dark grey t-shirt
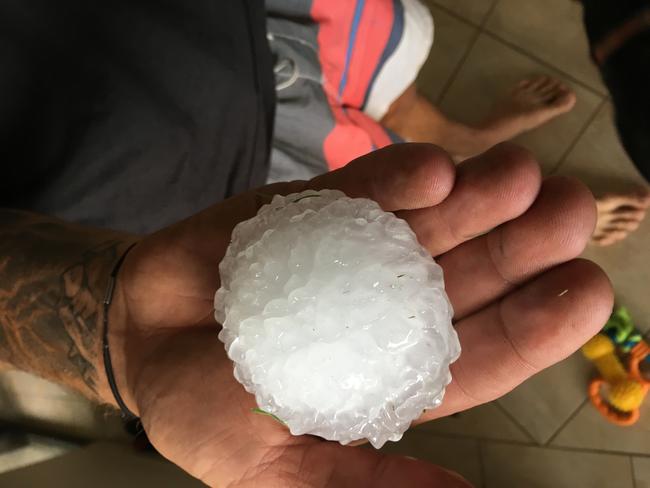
(132,114)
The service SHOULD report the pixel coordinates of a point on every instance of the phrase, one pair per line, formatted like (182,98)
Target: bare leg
(530,104)
(618,215)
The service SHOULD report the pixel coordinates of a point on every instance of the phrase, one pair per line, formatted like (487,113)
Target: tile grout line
(470,47)
(632,471)
(457,68)
(577,138)
(546,64)
(565,423)
(587,450)
(482,30)
(455,15)
(489,13)
(518,424)
(452,435)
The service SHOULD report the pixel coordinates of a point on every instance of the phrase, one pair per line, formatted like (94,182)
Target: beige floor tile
(489,72)
(35,450)
(452,40)
(486,422)
(641,472)
(589,430)
(459,455)
(31,401)
(101,465)
(627,264)
(78,419)
(599,160)
(551,30)
(534,467)
(14,381)
(544,402)
(471,10)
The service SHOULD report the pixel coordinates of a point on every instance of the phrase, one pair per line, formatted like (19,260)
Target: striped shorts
(339,64)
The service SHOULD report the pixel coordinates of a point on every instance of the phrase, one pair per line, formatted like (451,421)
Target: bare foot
(618,215)
(530,104)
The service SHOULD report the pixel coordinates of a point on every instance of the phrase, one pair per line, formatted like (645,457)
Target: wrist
(116,362)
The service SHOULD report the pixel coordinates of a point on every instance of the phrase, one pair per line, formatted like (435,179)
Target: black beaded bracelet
(127,414)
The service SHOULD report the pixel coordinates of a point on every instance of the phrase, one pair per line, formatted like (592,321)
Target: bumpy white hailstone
(335,317)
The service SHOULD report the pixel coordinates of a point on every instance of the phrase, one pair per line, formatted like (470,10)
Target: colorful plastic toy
(625,389)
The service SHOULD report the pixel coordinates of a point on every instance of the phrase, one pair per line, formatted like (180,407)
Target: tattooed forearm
(53,276)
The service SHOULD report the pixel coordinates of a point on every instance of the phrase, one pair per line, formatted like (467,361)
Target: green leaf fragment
(620,325)
(269,414)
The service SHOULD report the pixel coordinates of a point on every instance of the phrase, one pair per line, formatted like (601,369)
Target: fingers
(555,228)
(528,330)
(401,176)
(490,189)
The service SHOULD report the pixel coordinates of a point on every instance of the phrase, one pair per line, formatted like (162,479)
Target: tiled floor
(20,450)
(47,407)
(545,433)
(101,465)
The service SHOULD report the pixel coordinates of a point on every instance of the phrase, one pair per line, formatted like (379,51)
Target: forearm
(53,277)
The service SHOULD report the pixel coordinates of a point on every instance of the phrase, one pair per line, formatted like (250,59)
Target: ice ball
(335,317)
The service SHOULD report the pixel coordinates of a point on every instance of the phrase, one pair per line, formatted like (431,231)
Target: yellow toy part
(626,395)
(602,352)
(627,390)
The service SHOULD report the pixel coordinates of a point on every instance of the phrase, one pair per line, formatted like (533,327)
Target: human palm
(505,240)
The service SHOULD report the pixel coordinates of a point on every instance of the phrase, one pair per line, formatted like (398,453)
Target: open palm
(506,241)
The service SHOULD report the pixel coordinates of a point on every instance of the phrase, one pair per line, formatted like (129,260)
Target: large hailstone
(336,318)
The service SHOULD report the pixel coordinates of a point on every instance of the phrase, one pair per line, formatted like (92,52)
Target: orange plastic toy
(624,389)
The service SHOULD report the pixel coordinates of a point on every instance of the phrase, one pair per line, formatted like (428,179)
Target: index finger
(398,177)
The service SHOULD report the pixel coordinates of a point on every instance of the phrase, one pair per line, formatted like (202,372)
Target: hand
(506,241)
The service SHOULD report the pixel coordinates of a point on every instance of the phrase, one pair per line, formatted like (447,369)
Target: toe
(643,197)
(609,236)
(602,241)
(625,224)
(551,89)
(525,83)
(551,85)
(611,202)
(564,99)
(537,83)
(626,213)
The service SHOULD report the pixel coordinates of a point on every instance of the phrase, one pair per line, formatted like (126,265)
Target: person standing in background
(345,74)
